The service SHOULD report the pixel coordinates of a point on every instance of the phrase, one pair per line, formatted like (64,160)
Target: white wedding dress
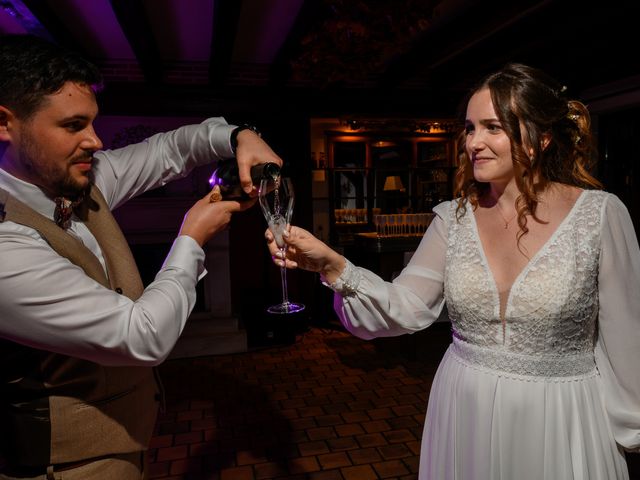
(549,391)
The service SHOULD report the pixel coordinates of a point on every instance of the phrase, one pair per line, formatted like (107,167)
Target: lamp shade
(393,182)
(318,176)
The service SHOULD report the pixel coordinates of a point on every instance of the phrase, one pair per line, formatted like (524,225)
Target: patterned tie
(63,212)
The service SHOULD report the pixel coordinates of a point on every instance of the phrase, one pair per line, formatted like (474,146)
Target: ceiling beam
(226,16)
(578,47)
(452,35)
(133,20)
(48,25)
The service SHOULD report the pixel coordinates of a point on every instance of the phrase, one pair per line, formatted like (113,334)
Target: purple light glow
(214,180)
(19,12)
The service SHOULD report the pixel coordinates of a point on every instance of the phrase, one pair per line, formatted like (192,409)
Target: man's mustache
(83,158)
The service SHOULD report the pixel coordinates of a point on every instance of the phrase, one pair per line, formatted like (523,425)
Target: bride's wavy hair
(550,134)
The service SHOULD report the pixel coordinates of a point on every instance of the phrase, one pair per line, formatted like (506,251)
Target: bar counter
(384,255)
(372,242)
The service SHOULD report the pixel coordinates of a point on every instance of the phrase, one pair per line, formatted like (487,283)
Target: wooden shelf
(359,164)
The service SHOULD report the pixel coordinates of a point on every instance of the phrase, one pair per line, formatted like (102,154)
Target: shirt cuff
(187,255)
(348,282)
(220,135)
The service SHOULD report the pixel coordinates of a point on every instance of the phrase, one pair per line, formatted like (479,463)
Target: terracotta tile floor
(328,407)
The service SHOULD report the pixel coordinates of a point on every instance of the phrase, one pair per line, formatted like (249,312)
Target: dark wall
(619,166)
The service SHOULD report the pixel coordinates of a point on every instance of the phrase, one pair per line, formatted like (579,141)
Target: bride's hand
(306,252)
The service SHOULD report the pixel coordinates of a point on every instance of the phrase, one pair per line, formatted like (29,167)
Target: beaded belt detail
(522,364)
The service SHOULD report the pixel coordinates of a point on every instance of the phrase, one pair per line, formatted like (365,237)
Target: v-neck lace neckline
(532,261)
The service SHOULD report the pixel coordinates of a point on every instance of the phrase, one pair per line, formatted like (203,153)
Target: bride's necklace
(506,222)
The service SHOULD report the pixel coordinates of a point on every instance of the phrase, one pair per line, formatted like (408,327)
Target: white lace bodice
(575,303)
(552,306)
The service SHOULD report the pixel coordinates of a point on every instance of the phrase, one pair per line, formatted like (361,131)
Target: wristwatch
(234,134)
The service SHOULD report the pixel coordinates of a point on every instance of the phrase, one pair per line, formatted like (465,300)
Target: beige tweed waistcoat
(55,408)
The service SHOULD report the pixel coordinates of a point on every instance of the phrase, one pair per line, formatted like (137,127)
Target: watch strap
(234,134)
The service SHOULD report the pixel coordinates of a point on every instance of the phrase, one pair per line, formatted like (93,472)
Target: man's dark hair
(31,68)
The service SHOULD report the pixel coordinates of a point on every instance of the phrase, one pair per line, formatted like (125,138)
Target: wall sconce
(393,183)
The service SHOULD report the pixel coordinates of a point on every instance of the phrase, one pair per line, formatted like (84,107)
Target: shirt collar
(28,194)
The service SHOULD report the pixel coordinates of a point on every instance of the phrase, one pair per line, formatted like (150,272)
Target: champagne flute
(276,200)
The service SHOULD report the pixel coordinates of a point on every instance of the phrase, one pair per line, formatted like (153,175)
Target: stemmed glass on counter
(276,200)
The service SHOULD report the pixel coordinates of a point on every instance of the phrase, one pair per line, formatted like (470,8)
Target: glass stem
(283,280)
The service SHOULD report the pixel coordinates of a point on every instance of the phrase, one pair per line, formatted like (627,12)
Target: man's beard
(53,178)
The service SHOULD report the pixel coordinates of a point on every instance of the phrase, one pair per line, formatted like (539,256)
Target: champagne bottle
(227,178)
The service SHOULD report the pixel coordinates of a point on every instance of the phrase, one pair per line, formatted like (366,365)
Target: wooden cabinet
(373,172)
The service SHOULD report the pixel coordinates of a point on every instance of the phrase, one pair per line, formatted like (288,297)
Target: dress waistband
(522,364)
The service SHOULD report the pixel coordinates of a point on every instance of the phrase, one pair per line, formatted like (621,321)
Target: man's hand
(252,150)
(205,218)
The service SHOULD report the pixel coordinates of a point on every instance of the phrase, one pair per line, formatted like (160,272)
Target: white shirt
(47,302)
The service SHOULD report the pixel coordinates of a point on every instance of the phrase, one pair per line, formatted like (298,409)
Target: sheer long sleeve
(370,307)
(618,343)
